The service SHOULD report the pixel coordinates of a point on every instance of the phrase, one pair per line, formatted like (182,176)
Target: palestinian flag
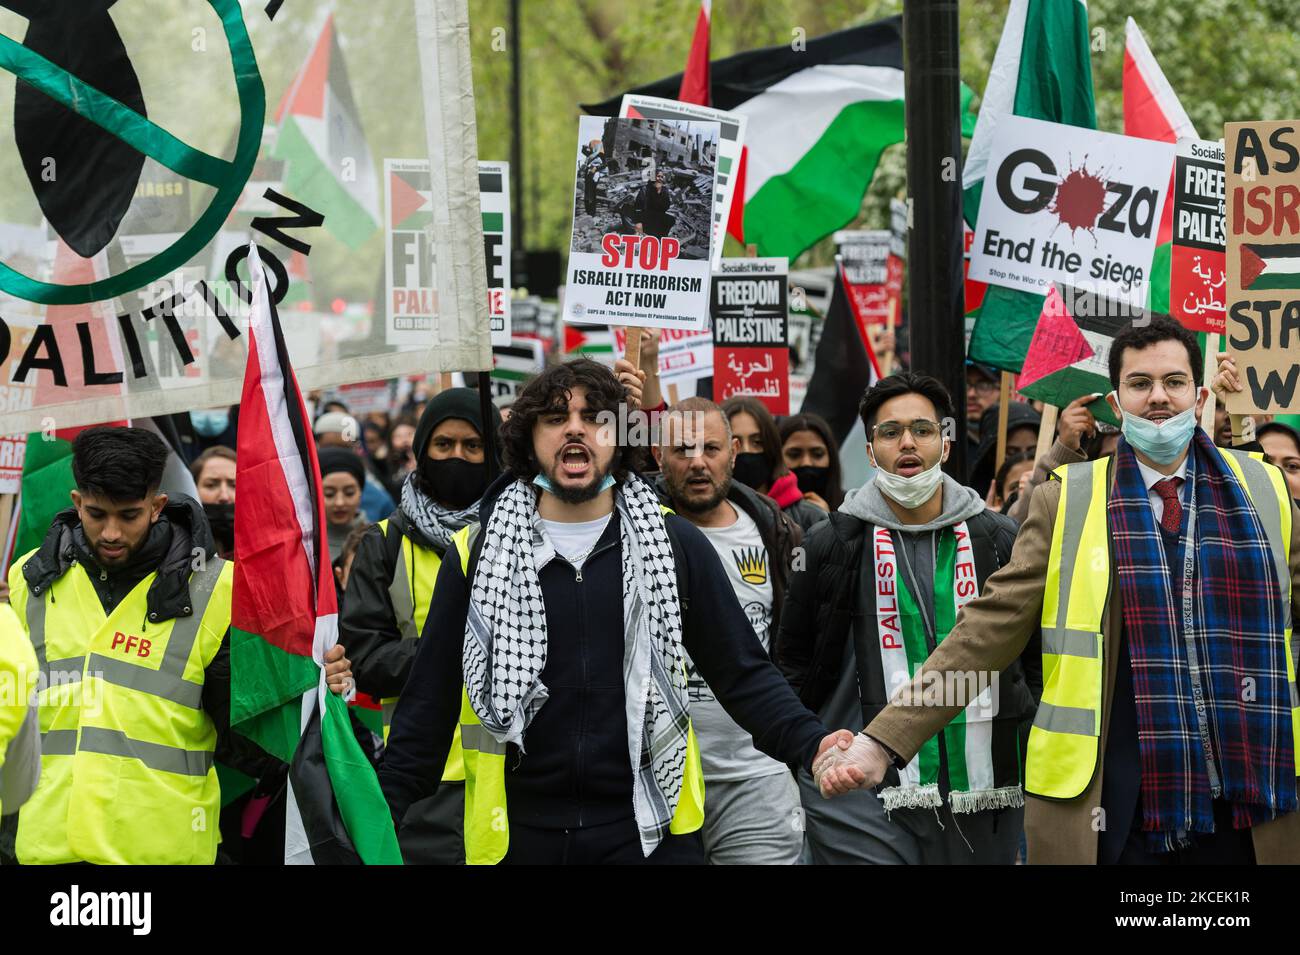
(1152,111)
(284,616)
(695,79)
(845,365)
(320,136)
(1270,266)
(589,341)
(1041,70)
(818,120)
(1070,352)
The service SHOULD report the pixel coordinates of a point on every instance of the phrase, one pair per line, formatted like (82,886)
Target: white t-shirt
(574,541)
(727,752)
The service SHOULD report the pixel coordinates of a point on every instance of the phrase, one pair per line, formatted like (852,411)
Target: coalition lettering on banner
(732,141)
(130,296)
(1071,205)
(1197,272)
(641,233)
(751,352)
(410,269)
(1263,256)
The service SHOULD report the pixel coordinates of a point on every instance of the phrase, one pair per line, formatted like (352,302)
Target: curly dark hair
(550,391)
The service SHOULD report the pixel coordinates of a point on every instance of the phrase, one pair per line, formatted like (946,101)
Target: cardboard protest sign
(1069,354)
(1072,205)
(1263,256)
(640,249)
(750,331)
(732,141)
(410,271)
(684,354)
(1197,271)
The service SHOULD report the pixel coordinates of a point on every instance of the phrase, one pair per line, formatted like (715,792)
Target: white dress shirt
(1151,477)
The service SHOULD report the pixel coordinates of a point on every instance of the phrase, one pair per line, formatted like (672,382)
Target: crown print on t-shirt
(752,564)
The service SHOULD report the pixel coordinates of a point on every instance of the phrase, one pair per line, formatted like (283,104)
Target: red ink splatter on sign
(1080,199)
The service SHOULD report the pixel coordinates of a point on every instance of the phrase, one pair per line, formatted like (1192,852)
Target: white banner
(1070,205)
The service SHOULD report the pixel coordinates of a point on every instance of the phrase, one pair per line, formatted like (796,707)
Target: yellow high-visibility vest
(1064,741)
(127,775)
(411,592)
(487,826)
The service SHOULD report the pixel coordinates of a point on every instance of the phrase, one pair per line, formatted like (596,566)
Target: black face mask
(453,482)
(751,469)
(812,480)
(221,518)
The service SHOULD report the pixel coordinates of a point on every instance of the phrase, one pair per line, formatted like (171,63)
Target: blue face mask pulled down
(1163,442)
(545,484)
(210,423)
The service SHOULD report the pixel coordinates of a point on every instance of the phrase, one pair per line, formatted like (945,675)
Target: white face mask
(909,492)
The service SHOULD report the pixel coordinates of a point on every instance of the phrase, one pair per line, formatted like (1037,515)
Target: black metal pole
(491,424)
(518,255)
(934,241)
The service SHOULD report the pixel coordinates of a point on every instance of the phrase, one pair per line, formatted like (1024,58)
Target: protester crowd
(675,654)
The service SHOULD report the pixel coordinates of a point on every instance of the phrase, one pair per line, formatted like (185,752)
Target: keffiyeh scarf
(1208,655)
(430,518)
(506,641)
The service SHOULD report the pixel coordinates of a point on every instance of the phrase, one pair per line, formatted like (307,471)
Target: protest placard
(869,264)
(1068,204)
(410,273)
(1197,271)
(639,255)
(732,132)
(751,353)
(514,364)
(685,355)
(1263,256)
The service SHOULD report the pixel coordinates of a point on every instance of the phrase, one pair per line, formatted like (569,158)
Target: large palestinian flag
(1041,70)
(818,120)
(1152,111)
(328,161)
(284,616)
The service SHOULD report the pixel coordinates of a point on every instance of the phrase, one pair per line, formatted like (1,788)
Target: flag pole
(488,412)
(934,251)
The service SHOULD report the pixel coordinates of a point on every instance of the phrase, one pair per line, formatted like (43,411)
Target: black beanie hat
(342,459)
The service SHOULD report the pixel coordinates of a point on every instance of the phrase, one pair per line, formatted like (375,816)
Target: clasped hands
(845,762)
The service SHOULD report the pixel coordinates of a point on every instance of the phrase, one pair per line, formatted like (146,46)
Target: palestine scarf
(430,518)
(968,740)
(1202,633)
(506,641)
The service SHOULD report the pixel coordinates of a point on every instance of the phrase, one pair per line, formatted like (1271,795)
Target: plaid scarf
(1209,629)
(506,641)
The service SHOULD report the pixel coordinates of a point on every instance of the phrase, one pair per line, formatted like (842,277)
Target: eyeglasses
(1175,385)
(982,387)
(923,431)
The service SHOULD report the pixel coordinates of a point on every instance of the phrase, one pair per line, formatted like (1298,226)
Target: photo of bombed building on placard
(652,177)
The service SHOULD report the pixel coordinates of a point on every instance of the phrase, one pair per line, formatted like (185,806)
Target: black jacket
(170,548)
(576,771)
(780,534)
(823,602)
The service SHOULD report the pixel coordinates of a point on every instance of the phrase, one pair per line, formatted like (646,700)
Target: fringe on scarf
(1008,797)
(913,797)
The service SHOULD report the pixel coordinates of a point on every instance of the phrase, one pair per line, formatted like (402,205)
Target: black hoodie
(180,532)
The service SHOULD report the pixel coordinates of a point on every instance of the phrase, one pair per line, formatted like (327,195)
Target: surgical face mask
(909,492)
(1161,442)
(545,484)
(210,423)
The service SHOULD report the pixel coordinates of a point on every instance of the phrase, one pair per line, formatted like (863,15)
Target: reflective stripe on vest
(401,593)
(1064,740)
(487,824)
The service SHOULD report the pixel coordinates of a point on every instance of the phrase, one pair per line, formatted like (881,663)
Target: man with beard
(557,635)
(392,582)
(128,608)
(752,802)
